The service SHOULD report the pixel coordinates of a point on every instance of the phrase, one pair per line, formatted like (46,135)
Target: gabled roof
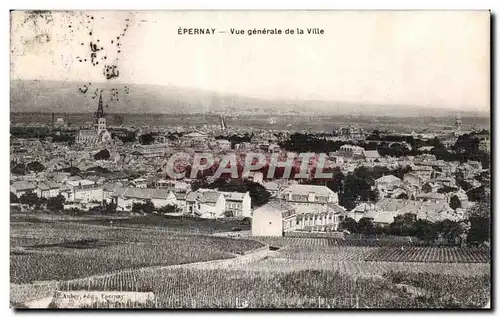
(204,196)
(234,196)
(388,179)
(195,134)
(275,206)
(307,188)
(372,154)
(23,185)
(144,194)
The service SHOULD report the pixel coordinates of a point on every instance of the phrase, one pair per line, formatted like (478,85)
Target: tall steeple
(222,122)
(100,109)
(458,123)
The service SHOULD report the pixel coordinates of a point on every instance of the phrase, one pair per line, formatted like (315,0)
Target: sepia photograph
(204,159)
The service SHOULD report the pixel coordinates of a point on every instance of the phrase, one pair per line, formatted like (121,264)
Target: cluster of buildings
(135,173)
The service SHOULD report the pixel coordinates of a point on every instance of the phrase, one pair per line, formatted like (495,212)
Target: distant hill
(60,97)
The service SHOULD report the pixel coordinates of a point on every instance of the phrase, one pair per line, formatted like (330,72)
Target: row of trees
(22,168)
(33,201)
(148,207)
(475,228)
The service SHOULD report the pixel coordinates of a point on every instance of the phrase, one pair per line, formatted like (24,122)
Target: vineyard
(195,288)
(431,254)
(52,251)
(199,271)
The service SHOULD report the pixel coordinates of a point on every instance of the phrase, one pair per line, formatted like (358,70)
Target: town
(372,176)
(348,167)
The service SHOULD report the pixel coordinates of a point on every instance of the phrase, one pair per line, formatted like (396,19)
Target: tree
(350,225)
(102,155)
(146,139)
(147,207)
(228,214)
(425,230)
(403,225)
(480,221)
(35,166)
(476,194)
(109,208)
(13,198)
(56,203)
(365,226)
(30,199)
(169,208)
(403,196)
(455,202)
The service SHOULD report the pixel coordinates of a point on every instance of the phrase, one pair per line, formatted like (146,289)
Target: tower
(99,115)
(222,122)
(458,123)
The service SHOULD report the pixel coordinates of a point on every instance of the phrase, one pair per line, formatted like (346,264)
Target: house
(139,183)
(152,150)
(413,179)
(238,204)
(432,196)
(108,189)
(272,187)
(273,218)
(427,210)
(48,189)
(387,184)
(126,197)
(224,144)
(84,191)
(327,220)
(309,198)
(371,156)
(206,203)
(351,151)
(256,176)
(22,187)
(360,211)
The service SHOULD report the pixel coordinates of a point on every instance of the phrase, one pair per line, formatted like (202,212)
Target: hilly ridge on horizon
(54,96)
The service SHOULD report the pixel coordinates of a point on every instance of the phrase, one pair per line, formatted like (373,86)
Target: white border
(192,5)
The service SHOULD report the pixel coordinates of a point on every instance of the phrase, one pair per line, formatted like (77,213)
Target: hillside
(51,96)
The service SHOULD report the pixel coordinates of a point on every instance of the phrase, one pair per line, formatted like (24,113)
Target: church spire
(100,109)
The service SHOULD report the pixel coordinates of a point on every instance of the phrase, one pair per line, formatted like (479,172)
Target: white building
(22,187)
(206,203)
(238,204)
(387,184)
(273,218)
(126,197)
(48,189)
(84,191)
(309,198)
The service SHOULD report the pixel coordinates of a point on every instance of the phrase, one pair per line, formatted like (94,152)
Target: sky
(430,59)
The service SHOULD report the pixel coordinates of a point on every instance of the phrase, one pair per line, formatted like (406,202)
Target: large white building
(126,197)
(309,198)
(273,219)
(206,203)
(83,191)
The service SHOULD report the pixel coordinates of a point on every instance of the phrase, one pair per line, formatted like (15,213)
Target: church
(99,134)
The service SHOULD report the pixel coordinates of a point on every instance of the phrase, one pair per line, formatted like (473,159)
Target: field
(217,272)
(62,251)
